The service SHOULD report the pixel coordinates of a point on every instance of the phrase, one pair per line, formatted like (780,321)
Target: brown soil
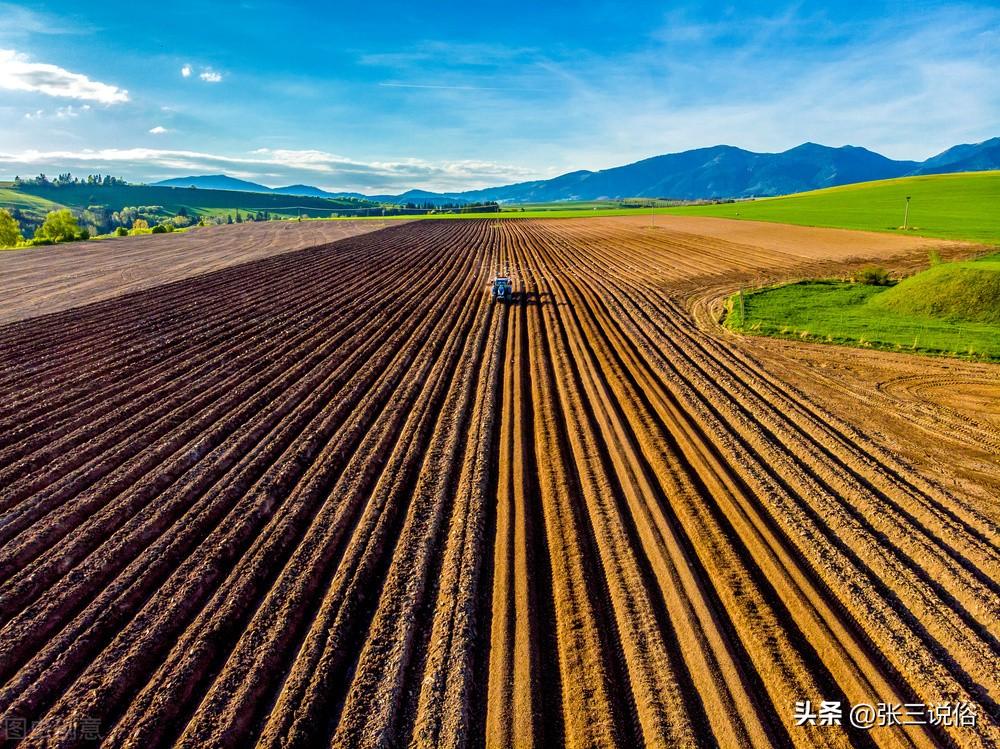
(39,280)
(337,497)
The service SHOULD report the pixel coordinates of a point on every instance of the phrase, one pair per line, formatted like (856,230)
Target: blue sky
(385,96)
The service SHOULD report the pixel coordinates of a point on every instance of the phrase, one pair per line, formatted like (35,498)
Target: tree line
(97,180)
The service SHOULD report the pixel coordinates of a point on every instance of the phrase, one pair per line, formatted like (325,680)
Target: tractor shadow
(532,298)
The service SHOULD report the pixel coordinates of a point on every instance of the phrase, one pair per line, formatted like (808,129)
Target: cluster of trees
(486,206)
(96,180)
(239,218)
(100,219)
(58,226)
(63,226)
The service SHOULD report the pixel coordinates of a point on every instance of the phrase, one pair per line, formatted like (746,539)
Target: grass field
(949,309)
(950,206)
(172,199)
(32,204)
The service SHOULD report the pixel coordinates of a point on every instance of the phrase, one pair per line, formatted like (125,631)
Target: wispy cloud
(447,87)
(907,87)
(158,130)
(18,73)
(451,54)
(17,20)
(275,167)
(186,71)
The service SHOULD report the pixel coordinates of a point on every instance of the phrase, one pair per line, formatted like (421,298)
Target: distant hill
(421,198)
(214,182)
(717,172)
(223,182)
(730,172)
(306,190)
(975,157)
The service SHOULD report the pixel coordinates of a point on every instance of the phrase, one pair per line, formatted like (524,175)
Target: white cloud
(276,167)
(60,113)
(207,74)
(17,73)
(158,130)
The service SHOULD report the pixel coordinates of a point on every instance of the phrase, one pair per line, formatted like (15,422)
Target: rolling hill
(196,201)
(950,206)
(31,201)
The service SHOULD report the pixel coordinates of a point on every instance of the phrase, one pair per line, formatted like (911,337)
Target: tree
(10,229)
(97,218)
(59,226)
(140,223)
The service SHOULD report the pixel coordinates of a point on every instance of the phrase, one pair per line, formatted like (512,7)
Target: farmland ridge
(338,497)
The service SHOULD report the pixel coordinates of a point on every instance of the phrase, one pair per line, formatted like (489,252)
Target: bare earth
(305,501)
(40,280)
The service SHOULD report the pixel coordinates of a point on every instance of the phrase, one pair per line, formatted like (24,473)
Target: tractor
(503,289)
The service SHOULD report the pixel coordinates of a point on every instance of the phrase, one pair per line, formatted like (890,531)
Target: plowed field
(40,280)
(337,497)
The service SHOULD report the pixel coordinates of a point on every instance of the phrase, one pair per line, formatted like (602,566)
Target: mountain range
(717,172)
(225,182)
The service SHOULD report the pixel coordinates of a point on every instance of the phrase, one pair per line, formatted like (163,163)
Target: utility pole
(906,214)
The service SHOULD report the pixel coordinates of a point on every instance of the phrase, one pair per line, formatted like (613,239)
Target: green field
(950,309)
(30,204)
(951,206)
